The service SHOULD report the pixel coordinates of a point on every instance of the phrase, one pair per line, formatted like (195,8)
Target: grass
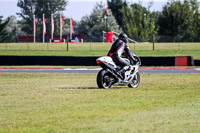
(55,102)
(99,49)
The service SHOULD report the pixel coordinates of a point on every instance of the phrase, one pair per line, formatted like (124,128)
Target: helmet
(123,37)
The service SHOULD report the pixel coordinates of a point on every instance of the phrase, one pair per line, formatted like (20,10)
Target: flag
(34,28)
(61,24)
(44,26)
(106,11)
(72,28)
(52,28)
(35,22)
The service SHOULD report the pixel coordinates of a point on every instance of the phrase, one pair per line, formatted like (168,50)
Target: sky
(75,8)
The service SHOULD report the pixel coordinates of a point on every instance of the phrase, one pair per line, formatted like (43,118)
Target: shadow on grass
(89,88)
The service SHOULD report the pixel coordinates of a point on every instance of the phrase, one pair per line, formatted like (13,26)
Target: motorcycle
(109,75)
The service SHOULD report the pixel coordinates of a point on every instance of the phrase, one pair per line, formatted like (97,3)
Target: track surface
(84,70)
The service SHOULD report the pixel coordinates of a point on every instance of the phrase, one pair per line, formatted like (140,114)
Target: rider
(118,47)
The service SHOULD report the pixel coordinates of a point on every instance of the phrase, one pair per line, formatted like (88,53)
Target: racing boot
(119,75)
(122,72)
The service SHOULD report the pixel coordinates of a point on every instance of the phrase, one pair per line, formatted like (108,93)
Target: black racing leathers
(118,47)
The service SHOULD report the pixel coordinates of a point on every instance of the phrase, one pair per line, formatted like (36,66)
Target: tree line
(178,20)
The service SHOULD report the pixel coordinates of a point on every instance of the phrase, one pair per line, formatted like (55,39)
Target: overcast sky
(75,8)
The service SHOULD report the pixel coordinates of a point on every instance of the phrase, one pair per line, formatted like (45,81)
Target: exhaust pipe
(115,75)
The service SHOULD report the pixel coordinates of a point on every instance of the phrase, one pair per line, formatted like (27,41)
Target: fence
(97,46)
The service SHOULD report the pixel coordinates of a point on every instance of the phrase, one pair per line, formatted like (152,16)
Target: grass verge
(98,49)
(55,102)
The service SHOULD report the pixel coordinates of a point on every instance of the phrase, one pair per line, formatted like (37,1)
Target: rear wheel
(135,81)
(104,79)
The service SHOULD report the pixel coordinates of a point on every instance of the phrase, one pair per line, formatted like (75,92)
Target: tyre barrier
(90,61)
(197,62)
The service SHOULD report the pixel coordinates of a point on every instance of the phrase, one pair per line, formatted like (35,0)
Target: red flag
(72,27)
(106,11)
(52,25)
(61,24)
(44,26)
(35,22)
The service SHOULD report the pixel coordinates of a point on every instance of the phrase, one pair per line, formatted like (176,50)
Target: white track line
(198,69)
(82,69)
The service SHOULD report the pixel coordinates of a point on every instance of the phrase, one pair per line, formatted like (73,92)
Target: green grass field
(55,102)
(99,49)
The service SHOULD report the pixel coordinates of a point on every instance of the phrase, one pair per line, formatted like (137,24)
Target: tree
(155,15)
(137,22)
(4,34)
(116,7)
(180,20)
(12,28)
(39,7)
(92,27)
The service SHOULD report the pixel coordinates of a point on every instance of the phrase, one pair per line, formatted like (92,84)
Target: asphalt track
(85,70)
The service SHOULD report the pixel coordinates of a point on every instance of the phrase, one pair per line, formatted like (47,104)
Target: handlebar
(138,60)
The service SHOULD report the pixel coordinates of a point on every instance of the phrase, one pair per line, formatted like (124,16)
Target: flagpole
(34,28)
(43,27)
(106,19)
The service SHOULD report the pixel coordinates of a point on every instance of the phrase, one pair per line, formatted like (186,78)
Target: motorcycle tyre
(100,79)
(131,85)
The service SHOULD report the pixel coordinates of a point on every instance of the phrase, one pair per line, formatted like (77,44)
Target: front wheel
(104,79)
(135,81)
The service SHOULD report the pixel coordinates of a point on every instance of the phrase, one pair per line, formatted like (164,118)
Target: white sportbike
(108,76)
